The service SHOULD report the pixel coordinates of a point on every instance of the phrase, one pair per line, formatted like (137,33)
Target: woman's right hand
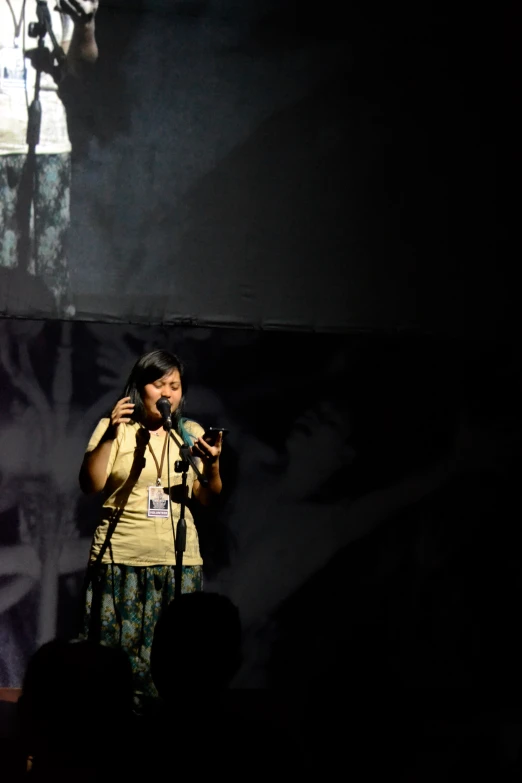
(121,413)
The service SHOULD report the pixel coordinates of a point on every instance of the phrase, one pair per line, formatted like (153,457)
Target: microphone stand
(39,30)
(180,539)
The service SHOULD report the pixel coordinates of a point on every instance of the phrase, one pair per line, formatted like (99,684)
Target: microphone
(163,405)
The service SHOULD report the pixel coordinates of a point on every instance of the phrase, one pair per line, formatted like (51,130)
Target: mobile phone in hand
(211,433)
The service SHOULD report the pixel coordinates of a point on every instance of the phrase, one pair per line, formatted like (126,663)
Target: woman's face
(168,386)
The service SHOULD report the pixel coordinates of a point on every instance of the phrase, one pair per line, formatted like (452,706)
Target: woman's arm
(93,472)
(81,49)
(209,456)
(205,495)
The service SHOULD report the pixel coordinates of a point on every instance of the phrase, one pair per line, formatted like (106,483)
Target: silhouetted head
(66,688)
(197,644)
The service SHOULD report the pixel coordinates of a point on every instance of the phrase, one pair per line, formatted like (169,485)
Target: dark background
(339,182)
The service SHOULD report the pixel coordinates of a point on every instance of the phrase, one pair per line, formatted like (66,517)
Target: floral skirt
(123,604)
(34,221)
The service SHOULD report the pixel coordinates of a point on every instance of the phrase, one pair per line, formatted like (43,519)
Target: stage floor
(10,694)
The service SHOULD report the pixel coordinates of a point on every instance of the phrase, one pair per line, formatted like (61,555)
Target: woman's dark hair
(149,368)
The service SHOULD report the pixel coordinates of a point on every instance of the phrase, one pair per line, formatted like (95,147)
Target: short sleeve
(96,437)
(193,428)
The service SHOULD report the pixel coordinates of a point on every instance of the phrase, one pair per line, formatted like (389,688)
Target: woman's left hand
(209,454)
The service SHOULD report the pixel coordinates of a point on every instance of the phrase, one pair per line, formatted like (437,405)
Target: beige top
(137,539)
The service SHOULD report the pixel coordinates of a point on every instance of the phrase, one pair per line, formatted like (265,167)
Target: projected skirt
(122,606)
(34,221)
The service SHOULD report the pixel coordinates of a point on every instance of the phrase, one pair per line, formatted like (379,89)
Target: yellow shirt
(134,538)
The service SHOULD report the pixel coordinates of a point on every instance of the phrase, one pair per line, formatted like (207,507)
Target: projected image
(259,164)
(40,46)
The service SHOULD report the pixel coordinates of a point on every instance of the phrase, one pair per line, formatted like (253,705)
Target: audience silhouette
(197,645)
(196,653)
(75,717)
(75,711)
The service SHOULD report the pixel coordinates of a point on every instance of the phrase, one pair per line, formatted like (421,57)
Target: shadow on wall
(100,108)
(429,601)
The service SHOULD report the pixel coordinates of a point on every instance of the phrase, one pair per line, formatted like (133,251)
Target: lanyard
(159,465)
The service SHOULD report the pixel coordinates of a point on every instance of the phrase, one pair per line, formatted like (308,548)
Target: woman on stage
(131,458)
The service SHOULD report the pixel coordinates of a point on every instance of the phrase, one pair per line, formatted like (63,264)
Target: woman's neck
(154,427)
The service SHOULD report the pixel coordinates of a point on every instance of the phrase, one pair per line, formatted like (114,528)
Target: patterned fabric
(123,604)
(34,220)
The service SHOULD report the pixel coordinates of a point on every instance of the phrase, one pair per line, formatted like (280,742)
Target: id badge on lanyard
(157,498)
(158,502)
